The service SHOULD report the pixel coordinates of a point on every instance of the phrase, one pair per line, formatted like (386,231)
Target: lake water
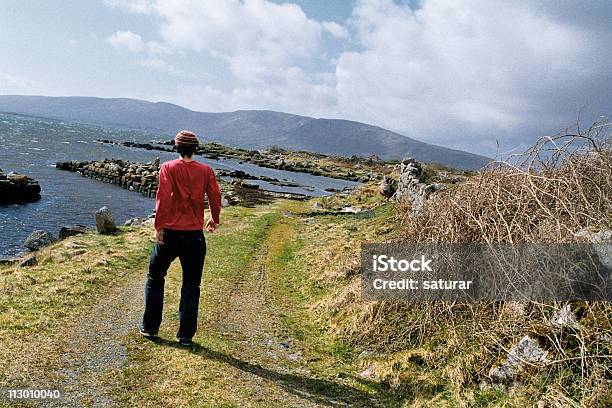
(32,146)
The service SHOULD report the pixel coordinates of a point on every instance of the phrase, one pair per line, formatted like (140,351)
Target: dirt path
(96,349)
(267,360)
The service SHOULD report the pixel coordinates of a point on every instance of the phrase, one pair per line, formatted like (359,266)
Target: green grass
(37,300)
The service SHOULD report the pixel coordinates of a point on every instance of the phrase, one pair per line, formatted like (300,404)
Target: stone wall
(410,187)
(139,177)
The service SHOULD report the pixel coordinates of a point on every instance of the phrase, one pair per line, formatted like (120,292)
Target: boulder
(387,187)
(17,188)
(39,239)
(525,352)
(69,231)
(29,261)
(105,223)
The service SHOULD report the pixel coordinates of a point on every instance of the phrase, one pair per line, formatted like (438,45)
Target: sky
(486,76)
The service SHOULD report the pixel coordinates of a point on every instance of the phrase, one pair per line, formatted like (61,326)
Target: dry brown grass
(560,186)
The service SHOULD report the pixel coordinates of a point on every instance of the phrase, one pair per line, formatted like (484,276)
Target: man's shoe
(147,334)
(185,342)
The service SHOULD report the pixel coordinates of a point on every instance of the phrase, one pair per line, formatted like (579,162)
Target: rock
(225,202)
(252,186)
(17,188)
(387,187)
(29,261)
(39,239)
(132,222)
(8,261)
(368,373)
(18,179)
(317,206)
(602,242)
(156,163)
(526,351)
(564,318)
(70,231)
(105,224)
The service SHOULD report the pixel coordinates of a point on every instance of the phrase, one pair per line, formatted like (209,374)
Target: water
(32,146)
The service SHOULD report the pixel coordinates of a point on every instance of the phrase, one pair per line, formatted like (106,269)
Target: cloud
(158,64)
(149,54)
(256,38)
(134,6)
(467,73)
(335,29)
(13,84)
(127,41)
(460,73)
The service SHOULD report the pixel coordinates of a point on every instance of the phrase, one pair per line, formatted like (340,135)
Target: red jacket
(179,203)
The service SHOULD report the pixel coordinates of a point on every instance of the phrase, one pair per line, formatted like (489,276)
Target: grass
(560,187)
(282,319)
(258,292)
(70,276)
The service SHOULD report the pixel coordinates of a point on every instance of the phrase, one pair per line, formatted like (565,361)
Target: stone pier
(138,177)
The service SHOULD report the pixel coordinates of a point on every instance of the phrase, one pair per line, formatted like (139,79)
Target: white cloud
(127,41)
(134,6)
(14,84)
(159,64)
(254,37)
(335,29)
(461,73)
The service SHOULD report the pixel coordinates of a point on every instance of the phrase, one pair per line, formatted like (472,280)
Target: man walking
(179,223)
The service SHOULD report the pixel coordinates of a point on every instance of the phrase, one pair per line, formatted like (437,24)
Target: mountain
(244,128)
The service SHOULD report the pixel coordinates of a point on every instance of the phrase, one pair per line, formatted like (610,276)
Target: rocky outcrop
(410,188)
(241,175)
(360,169)
(139,177)
(18,188)
(143,178)
(105,223)
(38,240)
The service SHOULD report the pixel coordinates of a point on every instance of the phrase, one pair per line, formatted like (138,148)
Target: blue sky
(466,74)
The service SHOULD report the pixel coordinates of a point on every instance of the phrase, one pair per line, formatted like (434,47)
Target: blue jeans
(190,248)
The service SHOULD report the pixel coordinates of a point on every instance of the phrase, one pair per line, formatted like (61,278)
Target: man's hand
(159,236)
(211,226)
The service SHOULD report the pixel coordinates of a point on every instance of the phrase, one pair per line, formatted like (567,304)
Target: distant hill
(245,128)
